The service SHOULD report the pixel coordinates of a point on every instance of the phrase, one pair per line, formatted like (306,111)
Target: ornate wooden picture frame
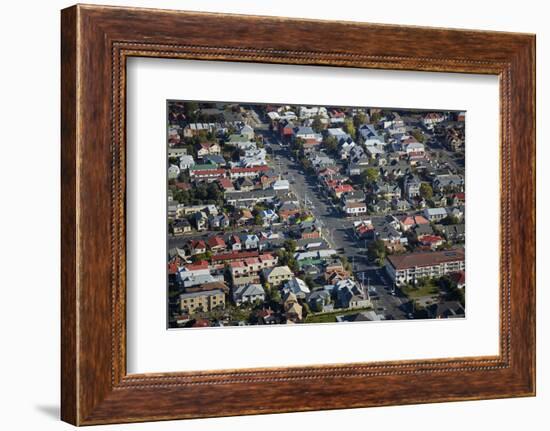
(96,41)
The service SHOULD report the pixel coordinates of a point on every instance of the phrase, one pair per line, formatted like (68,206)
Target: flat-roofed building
(204,300)
(409,268)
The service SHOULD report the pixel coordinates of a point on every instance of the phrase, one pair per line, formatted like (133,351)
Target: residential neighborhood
(290,214)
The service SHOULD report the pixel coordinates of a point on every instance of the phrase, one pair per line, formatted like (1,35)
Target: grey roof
(201,293)
(249,289)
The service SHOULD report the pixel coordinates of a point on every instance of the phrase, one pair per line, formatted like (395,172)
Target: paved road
(338,232)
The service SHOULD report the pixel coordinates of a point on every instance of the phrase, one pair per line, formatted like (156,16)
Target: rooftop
(412,260)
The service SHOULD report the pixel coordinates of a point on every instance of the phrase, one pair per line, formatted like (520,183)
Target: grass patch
(419,292)
(331,317)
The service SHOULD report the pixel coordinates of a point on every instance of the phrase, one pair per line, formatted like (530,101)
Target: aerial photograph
(297,214)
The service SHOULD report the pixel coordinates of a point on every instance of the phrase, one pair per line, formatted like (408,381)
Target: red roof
(198,243)
(266,256)
(216,241)
(201,264)
(459,277)
(344,188)
(261,168)
(208,172)
(412,260)
(429,239)
(226,183)
(172,268)
(201,323)
(234,255)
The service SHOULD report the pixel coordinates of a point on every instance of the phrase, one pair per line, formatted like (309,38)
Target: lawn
(419,292)
(331,317)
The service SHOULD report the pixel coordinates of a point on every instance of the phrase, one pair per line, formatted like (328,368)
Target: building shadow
(52,411)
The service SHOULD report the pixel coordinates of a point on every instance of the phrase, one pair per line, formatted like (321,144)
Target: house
(430,241)
(307,134)
(249,199)
(352,209)
(244,216)
(200,220)
(194,129)
(407,222)
(448,183)
(248,293)
(414,150)
(206,174)
(216,244)
(454,232)
(431,119)
(245,184)
(354,196)
(235,243)
(293,310)
(247,132)
(350,295)
(176,153)
(186,162)
(445,310)
(288,210)
(381,207)
(197,246)
(411,267)
(320,161)
(205,148)
(319,301)
(242,273)
(242,142)
(214,159)
(386,190)
(411,186)
(400,205)
(268,217)
(277,275)
(173,172)
(181,226)
(220,221)
(281,185)
(370,135)
(251,172)
(202,301)
(297,287)
(435,214)
(226,184)
(339,190)
(249,241)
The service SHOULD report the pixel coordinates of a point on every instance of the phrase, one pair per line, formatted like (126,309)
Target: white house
(297,286)
(173,172)
(186,162)
(248,293)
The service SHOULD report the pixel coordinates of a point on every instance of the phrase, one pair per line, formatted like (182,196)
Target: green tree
(418,135)
(375,117)
(369,176)
(258,220)
(290,245)
(331,144)
(426,191)
(349,127)
(376,250)
(317,124)
(359,119)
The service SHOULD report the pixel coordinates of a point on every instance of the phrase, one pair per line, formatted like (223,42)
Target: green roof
(205,167)
(311,261)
